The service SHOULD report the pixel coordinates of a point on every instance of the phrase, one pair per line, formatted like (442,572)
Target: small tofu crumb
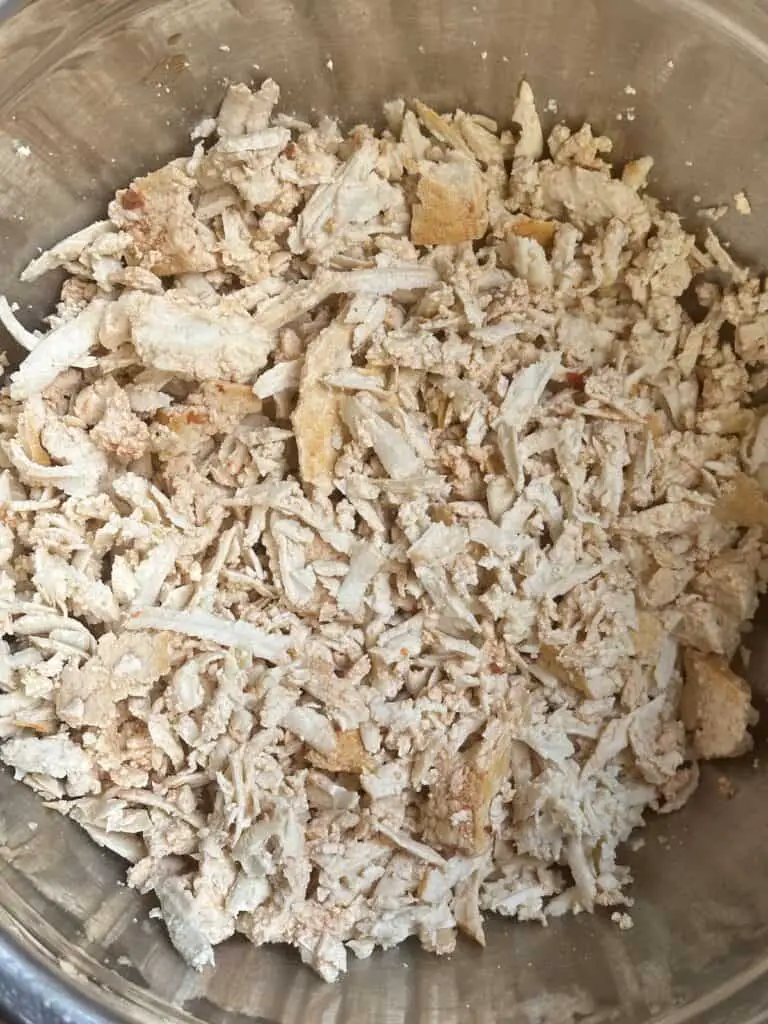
(624,921)
(742,204)
(714,213)
(726,787)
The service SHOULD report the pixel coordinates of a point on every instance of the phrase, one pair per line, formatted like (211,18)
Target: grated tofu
(377,528)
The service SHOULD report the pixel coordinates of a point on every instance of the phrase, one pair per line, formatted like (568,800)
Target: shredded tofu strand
(209,627)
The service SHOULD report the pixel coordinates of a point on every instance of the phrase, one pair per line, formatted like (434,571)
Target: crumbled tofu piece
(742,503)
(531,141)
(716,707)
(347,755)
(635,173)
(57,756)
(713,213)
(181,919)
(742,204)
(157,213)
(316,418)
(173,335)
(458,809)
(311,727)
(624,921)
(59,349)
(541,231)
(589,198)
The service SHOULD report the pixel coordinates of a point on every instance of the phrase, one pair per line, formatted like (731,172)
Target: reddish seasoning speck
(132,200)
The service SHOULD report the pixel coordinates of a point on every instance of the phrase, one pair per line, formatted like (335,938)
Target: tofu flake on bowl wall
(378,525)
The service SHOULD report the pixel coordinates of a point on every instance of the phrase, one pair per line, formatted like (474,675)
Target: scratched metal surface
(98,91)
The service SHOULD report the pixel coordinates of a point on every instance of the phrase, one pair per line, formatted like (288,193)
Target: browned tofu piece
(452,205)
(648,637)
(541,231)
(744,504)
(316,417)
(457,814)
(715,706)
(349,755)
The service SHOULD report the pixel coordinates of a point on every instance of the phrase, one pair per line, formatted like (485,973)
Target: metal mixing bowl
(99,90)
